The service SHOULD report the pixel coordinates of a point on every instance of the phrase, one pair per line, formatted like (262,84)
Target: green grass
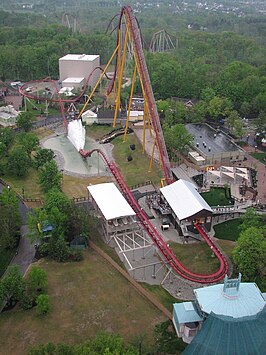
(259,156)
(28,183)
(98,131)
(41,108)
(197,257)
(228,230)
(162,295)
(216,196)
(87,297)
(227,246)
(6,256)
(135,171)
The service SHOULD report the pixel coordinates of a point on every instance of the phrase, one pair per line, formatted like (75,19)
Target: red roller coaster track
(166,252)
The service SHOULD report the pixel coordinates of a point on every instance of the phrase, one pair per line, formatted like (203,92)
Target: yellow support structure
(130,101)
(152,155)
(98,82)
(120,75)
(144,127)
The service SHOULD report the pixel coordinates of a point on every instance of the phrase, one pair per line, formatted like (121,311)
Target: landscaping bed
(218,196)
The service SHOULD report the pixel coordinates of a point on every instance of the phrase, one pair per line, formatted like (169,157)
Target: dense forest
(218,55)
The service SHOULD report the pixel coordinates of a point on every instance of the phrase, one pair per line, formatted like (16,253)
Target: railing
(165,252)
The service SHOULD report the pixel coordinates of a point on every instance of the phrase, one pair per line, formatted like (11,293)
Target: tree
(57,248)
(49,176)
(9,218)
(250,219)
(12,285)
(43,304)
(167,341)
(29,141)
(260,122)
(219,108)
(176,138)
(234,123)
(6,140)
(37,279)
(77,221)
(56,206)
(250,253)
(25,120)
(43,156)
(18,162)
(35,219)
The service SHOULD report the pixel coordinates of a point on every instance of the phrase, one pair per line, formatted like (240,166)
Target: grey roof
(217,144)
(185,313)
(247,302)
(184,199)
(229,336)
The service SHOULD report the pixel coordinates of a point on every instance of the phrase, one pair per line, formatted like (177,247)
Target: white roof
(110,201)
(89,113)
(80,57)
(73,80)
(184,199)
(248,301)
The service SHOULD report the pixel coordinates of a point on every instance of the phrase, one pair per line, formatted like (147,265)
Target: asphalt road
(25,251)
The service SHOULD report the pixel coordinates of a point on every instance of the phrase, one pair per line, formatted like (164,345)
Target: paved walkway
(26,250)
(261,172)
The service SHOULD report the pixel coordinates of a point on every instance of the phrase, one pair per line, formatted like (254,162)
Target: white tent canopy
(184,199)
(110,201)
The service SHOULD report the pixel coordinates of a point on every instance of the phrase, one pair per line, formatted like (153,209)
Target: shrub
(76,255)
(43,304)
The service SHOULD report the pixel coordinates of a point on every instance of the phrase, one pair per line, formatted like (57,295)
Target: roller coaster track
(165,251)
(22,89)
(148,94)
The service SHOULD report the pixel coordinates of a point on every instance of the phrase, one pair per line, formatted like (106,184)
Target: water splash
(76,134)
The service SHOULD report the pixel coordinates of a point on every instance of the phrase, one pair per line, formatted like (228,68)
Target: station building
(228,318)
(212,146)
(117,216)
(185,207)
(74,70)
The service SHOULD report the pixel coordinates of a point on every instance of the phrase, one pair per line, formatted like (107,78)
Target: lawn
(228,230)
(98,131)
(28,184)
(216,196)
(259,156)
(77,186)
(227,246)
(196,257)
(87,297)
(135,171)
(162,295)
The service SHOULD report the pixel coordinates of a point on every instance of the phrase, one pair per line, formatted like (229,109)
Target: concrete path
(25,251)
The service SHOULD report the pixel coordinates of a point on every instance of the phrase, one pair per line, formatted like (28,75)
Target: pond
(72,160)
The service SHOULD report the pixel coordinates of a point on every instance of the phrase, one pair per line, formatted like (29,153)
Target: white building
(8,116)
(74,69)
(116,214)
(89,117)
